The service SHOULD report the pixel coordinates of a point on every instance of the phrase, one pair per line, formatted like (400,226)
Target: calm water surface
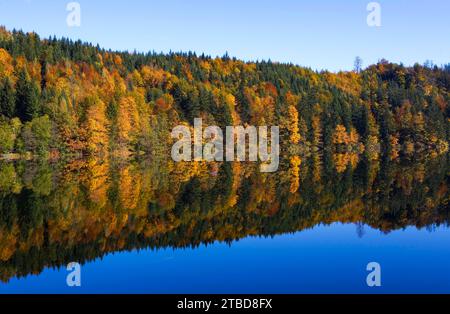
(172,228)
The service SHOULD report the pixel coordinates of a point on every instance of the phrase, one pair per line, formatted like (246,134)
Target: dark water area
(164,227)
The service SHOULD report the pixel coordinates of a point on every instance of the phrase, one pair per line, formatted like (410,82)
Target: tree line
(64,97)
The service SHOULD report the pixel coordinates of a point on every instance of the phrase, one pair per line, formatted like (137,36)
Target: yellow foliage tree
(293,125)
(6,67)
(295,173)
(97,125)
(127,119)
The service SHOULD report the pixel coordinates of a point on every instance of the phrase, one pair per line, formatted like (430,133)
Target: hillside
(59,97)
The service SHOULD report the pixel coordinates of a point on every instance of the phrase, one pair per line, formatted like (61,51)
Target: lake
(162,227)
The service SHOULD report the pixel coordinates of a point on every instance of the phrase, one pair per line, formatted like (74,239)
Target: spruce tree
(7,99)
(27,97)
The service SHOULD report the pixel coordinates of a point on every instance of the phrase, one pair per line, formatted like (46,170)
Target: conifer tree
(27,97)
(7,99)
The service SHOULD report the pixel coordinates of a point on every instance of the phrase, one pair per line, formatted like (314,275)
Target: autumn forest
(63,98)
(85,165)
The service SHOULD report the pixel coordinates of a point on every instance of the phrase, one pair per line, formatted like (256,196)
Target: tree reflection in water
(51,214)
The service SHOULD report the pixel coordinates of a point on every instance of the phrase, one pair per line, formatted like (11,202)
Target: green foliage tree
(9,130)
(37,135)
(27,97)
(7,99)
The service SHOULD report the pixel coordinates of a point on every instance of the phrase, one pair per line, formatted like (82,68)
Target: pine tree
(27,97)
(7,99)
(243,103)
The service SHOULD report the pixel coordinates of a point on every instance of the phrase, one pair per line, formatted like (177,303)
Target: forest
(85,136)
(62,98)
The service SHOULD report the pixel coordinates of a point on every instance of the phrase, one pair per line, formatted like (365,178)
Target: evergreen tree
(27,97)
(7,99)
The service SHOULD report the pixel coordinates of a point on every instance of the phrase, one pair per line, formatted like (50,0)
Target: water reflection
(53,214)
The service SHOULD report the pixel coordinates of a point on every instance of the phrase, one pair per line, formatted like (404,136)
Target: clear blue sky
(322,34)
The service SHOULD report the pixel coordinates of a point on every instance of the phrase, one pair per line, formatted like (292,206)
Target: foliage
(101,102)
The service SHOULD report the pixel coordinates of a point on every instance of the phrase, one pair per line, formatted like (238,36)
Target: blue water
(326,259)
